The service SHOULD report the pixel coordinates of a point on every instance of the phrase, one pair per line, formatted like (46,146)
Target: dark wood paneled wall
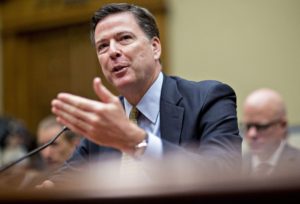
(47,50)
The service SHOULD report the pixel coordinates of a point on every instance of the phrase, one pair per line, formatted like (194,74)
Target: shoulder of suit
(203,85)
(293,150)
(182,81)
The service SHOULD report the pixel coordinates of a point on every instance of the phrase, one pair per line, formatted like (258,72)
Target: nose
(46,153)
(252,132)
(114,50)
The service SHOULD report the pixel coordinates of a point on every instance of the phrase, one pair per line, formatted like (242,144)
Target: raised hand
(103,122)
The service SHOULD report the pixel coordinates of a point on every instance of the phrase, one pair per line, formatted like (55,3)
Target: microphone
(2,169)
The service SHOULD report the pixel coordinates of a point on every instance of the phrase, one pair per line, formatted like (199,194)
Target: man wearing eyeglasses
(265,129)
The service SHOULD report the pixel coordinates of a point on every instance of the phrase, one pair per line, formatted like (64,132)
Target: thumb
(102,92)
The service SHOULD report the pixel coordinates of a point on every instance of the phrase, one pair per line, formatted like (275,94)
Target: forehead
(256,113)
(116,23)
(48,133)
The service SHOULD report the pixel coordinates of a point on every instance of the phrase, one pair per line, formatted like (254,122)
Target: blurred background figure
(265,129)
(15,142)
(55,155)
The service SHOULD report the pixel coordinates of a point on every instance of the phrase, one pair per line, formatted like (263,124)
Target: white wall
(245,43)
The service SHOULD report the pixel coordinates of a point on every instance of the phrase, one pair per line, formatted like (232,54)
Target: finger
(91,116)
(74,123)
(102,92)
(80,127)
(79,102)
(75,128)
(73,114)
(60,107)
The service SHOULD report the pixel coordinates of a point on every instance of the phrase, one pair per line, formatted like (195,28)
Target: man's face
(55,154)
(128,58)
(265,129)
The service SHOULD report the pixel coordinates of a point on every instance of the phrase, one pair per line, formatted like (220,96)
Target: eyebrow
(115,35)
(97,42)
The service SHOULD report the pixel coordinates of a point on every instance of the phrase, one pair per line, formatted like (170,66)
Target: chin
(53,165)
(256,150)
(122,84)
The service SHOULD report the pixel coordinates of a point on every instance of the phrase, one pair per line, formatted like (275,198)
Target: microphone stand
(2,169)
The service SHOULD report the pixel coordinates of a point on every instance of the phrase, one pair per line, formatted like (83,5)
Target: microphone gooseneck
(5,167)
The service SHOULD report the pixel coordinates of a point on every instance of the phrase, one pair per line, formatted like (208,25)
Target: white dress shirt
(272,161)
(149,119)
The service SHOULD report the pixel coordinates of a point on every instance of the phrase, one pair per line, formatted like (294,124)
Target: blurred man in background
(29,173)
(57,153)
(265,128)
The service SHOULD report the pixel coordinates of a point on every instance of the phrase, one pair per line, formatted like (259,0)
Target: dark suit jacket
(197,119)
(288,162)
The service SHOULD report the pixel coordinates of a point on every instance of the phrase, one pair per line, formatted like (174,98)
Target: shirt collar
(274,157)
(150,102)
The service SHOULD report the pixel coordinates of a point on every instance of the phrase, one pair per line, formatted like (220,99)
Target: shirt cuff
(154,148)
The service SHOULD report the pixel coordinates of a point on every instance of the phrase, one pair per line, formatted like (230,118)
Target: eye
(125,39)
(54,144)
(261,127)
(102,47)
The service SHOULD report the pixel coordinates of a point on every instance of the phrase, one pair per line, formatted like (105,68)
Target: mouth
(119,68)
(51,163)
(256,146)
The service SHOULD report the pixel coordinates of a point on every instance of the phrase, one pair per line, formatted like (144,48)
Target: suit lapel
(171,114)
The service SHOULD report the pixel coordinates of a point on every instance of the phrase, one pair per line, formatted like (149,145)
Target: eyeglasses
(259,127)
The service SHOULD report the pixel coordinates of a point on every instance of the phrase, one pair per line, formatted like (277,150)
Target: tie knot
(134,113)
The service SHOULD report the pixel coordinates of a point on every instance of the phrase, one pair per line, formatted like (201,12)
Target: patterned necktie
(134,113)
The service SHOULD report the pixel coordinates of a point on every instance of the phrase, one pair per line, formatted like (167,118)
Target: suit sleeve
(220,140)
(215,143)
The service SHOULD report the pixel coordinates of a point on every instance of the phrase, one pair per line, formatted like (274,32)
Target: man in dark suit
(197,119)
(266,130)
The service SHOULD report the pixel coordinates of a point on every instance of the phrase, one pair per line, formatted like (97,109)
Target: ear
(156,47)
(284,125)
(284,122)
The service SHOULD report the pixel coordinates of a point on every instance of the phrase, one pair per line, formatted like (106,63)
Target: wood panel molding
(20,15)
(46,50)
